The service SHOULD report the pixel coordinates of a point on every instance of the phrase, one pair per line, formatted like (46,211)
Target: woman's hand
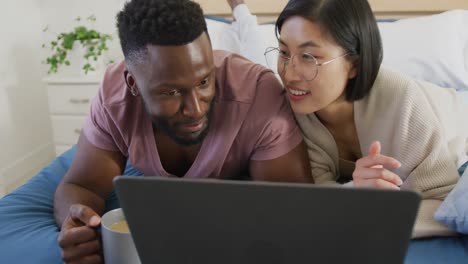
(372,170)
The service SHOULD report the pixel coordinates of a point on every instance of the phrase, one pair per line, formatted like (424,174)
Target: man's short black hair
(158,22)
(352,25)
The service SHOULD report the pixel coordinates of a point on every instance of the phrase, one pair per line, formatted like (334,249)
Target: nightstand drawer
(71,99)
(67,129)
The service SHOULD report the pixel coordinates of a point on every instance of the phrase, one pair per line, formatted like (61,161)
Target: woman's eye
(283,53)
(308,57)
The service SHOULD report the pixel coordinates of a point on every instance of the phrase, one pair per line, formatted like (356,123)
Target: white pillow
(222,35)
(464,95)
(466,46)
(430,48)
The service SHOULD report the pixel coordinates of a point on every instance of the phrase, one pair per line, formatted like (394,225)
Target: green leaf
(68,41)
(93,41)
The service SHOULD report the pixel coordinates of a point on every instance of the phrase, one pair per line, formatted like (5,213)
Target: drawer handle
(79,101)
(77,131)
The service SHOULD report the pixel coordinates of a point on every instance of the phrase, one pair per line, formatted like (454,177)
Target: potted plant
(91,43)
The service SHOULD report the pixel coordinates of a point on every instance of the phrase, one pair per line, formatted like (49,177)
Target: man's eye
(172,93)
(205,82)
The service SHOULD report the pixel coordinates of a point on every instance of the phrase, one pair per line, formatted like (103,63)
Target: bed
(427,40)
(27,229)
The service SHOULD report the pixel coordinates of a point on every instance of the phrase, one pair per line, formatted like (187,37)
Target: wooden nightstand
(69,103)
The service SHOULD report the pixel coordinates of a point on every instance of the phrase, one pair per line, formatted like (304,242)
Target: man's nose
(192,105)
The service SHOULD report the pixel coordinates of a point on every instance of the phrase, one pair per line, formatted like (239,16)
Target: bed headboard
(267,10)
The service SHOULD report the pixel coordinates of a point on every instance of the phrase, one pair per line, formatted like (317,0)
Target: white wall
(25,128)
(25,135)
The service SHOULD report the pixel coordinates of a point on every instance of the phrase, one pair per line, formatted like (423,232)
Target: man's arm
(291,167)
(89,179)
(80,199)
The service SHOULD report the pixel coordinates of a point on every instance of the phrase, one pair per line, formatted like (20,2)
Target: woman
(364,125)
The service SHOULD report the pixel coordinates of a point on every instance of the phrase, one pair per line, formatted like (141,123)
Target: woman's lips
(296,94)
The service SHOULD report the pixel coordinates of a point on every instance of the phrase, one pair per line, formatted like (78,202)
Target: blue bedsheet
(28,233)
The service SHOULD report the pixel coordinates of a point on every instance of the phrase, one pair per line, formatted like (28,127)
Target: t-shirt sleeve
(97,127)
(277,131)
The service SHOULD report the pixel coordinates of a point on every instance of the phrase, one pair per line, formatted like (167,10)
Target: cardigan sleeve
(425,155)
(323,170)
(321,147)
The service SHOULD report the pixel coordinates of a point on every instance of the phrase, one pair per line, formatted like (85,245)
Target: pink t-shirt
(251,120)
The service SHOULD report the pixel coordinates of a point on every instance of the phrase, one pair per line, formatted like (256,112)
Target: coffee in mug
(117,242)
(120,226)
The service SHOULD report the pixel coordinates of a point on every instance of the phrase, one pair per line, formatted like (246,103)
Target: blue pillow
(28,233)
(453,212)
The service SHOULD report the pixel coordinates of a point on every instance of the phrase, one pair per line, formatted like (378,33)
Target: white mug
(118,247)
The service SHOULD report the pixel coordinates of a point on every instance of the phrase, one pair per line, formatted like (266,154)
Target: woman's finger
(375,148)
(382,160)
(375,184)
(377,173)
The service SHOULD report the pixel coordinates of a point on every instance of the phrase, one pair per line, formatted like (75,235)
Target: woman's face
(298,37)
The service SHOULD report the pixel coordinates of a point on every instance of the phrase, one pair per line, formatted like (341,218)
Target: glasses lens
(309,66)
(271,57)
(304,64)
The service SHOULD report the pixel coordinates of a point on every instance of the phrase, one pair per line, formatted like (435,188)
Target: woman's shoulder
(392,88)
(391,83)
(388,94)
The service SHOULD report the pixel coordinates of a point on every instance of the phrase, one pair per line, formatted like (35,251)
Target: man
(174,108)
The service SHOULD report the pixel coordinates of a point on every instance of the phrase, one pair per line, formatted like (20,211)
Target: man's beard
(163,125)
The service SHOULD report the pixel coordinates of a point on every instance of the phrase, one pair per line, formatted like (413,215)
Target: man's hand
(371,171)
(79,238)
(234,3)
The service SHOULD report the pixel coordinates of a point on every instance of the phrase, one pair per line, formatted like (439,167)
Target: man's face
(177,84)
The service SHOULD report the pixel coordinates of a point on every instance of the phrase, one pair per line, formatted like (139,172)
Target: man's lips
(194,126)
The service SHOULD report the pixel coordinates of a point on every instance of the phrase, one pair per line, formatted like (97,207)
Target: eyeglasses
(307,65)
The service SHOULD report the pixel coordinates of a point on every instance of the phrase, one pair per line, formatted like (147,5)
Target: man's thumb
(85,214)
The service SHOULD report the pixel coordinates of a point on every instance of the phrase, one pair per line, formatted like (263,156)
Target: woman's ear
(352,72)
(353,68)
(131,84)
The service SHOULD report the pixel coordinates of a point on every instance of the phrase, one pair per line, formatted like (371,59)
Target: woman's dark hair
(352,25)
(158,22)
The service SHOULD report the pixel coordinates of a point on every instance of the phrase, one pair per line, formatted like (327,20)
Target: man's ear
(131,83)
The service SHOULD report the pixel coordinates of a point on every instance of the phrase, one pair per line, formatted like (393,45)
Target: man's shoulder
(239,79)
(113,88)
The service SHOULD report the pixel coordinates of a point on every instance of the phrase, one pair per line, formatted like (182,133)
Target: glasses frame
(291,59)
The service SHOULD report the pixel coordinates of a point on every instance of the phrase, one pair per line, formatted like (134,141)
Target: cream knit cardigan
(423,126)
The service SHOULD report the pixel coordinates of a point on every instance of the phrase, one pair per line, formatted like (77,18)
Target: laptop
(202,221)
